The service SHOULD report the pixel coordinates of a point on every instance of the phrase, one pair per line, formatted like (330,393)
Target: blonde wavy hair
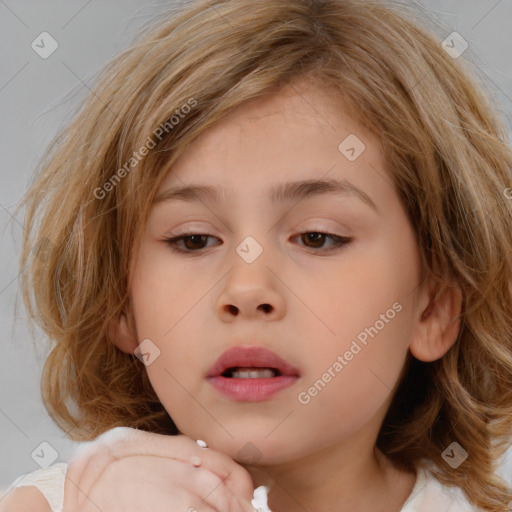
(444,143)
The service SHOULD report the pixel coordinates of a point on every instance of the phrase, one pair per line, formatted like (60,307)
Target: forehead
(298,126)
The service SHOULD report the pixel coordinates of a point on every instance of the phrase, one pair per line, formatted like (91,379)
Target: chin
(256,449)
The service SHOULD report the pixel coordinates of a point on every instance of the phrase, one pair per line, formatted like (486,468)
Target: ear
(122,331)
(439,323)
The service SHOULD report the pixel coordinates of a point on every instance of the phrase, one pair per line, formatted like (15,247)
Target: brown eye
(316,240)
(193,242)
(189,243)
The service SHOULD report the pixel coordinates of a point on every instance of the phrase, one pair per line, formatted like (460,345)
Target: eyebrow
(296,190)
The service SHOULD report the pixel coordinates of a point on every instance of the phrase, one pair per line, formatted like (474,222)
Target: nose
(251,291)
(235,310)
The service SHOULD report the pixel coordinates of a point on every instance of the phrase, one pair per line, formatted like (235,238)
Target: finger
(124,441)
(212,489)
(208,486)
(237,481)
(243,505)
(159,480)
(200,506)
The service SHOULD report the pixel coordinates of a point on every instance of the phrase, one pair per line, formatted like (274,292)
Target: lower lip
(251,390)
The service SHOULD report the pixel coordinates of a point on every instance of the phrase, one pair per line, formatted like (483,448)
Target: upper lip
(251,356)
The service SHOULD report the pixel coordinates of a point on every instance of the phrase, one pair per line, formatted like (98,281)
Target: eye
(317,239)
(194,242)
(191,241)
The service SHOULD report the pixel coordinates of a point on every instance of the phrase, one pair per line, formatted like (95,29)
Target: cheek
(352,294)
(164,295)
(357,371)
(338,398)
(176,375)
(166,312)
(370,312)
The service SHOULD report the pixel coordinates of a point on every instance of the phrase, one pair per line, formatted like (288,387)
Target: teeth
(263,373)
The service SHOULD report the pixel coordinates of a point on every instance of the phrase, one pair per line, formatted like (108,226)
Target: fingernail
(202,443)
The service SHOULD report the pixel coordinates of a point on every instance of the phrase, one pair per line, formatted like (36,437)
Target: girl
(282,230)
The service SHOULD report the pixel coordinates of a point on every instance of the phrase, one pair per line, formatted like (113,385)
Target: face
(327,279)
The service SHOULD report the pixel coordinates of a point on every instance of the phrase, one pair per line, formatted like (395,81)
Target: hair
(444,144)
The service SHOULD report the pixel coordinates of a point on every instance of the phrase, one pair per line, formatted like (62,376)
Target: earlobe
(438,326)
(122,333)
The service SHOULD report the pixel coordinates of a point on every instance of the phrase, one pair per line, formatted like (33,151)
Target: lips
(251,374)
(251,357)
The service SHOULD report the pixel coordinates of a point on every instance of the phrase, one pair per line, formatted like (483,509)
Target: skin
(320,455)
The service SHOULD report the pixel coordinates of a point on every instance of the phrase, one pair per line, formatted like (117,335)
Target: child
(372,371)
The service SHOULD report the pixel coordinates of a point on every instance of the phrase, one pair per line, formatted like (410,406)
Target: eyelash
(339,241)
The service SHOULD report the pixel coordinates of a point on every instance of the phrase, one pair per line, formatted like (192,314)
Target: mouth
(251,374)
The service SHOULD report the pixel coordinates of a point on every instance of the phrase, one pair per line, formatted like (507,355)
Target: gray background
(33,106)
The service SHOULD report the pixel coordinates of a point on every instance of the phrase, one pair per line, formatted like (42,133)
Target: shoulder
(429,494)
(38,491)
(25,499)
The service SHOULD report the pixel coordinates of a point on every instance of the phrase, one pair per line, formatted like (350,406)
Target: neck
(338,478)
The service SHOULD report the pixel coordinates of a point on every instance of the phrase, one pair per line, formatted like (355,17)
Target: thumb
(244,505)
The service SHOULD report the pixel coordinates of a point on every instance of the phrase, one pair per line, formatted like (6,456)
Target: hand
(126,469)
